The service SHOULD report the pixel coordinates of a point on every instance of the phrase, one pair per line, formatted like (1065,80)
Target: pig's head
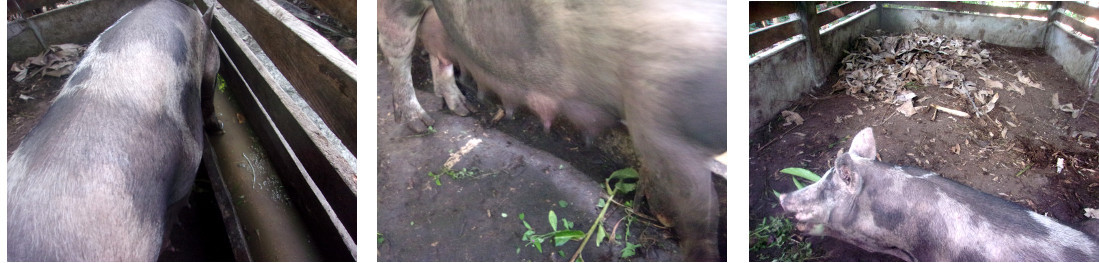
(832,198)
(839,204)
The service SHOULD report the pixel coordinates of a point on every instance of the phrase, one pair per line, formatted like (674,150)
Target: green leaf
(380,238)
(627,173)
(539,246)
(801,172)
(599,236)
(796,183)
(630,250)
(776,193)
(624,188)
(562,203)
(602,203)
(521,215)
(553,220)
(568,224)
(560,237)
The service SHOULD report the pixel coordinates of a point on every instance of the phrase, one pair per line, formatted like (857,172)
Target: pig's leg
(397,24)
(671,136)
(442,73)
(209,83)
(678,184)
(435,40)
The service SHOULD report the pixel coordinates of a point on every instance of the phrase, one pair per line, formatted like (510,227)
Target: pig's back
(998,230)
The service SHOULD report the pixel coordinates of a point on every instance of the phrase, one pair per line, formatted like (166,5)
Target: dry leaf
(1026,80)
(992,83)
(792,118)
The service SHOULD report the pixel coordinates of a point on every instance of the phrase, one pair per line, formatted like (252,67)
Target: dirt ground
(517,168)
(27,102)
(986,153)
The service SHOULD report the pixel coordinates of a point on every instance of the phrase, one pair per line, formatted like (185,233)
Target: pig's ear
(846,176)
(863,145)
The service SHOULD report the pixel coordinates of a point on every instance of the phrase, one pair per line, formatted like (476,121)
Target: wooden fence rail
(766,37)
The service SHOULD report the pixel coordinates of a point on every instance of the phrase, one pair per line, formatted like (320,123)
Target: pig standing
(918,215)
(658,65)
(122,141)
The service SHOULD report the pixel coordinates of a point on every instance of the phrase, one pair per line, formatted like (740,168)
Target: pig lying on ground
(918,215)
(93,181)
(658,65)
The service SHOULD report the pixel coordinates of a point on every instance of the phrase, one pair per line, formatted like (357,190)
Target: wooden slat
(313,175)
(1081,9)
(341,10)
(954,6)
(1078,26)
(769,36)
(21,6)
(318,71)
(224,199)
(80,23)
(760,10)
(827,16)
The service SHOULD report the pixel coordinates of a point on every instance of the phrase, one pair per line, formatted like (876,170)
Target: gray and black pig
(93,181)
(917,215)
(659,66)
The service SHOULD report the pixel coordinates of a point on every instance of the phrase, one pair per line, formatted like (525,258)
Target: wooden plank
(341,10)
(225,203)
(323,76)
(955,6)
(1078,26)
(827,16)
(22,6)
(764,10)
(769,36)
(79,23)
(1081,9)
(315,178)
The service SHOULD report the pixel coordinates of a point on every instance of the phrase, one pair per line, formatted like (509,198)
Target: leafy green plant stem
(587,236)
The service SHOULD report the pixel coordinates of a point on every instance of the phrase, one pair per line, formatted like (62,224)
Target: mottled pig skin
(94,180)
(657,66)
(917,215)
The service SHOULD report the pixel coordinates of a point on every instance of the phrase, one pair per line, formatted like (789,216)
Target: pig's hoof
(457,104)
(420,123)
(461,109)
(215,127)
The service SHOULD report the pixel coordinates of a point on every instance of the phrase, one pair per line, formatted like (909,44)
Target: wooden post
(807,11)
(1050,20)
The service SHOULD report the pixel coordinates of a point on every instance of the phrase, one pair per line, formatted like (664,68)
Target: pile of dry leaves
(58,61)
(888,67)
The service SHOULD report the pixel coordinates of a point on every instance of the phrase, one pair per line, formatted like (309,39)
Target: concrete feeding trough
(289,108)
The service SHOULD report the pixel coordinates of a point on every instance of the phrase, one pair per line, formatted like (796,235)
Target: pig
(121,143)
(915,214)
(657,66)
